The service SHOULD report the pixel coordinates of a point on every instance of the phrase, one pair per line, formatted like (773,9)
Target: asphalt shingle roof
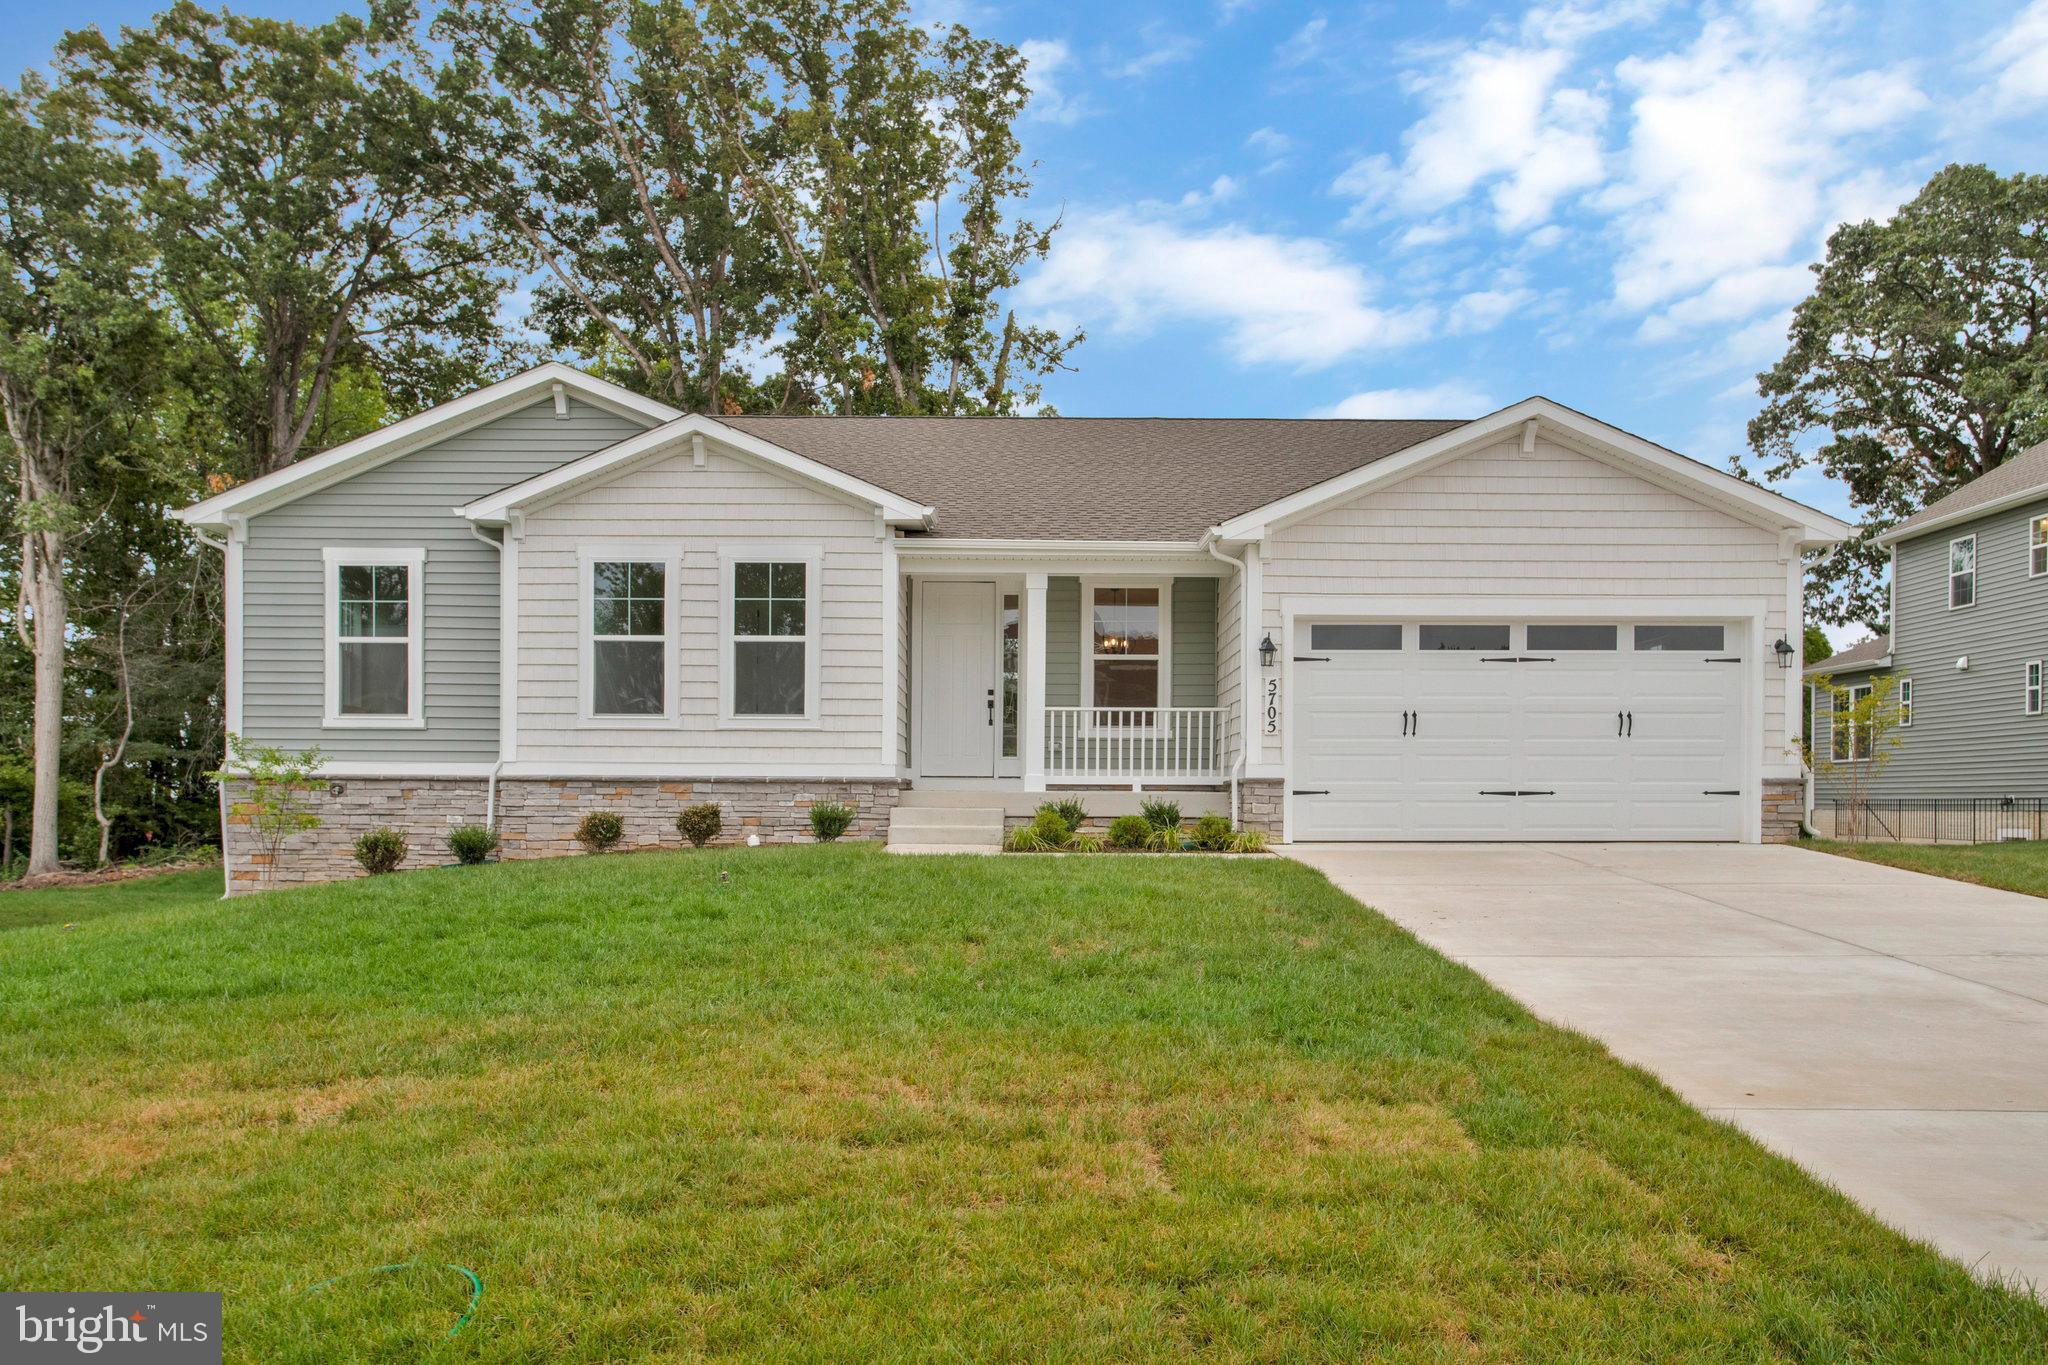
(1090,478)
(1855,656)
(2021,474)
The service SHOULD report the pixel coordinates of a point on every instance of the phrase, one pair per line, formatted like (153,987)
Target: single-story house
(555,594)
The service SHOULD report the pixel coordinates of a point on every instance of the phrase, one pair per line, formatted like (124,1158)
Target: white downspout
(491,783)
(1243,688)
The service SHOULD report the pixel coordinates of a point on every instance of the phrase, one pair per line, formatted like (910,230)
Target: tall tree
(307,222)
(80,354)
(1920,360)
(741,203)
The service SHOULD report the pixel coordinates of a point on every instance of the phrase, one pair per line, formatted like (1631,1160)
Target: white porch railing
(1135,744)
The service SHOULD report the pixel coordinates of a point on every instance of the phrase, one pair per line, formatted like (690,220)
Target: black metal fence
(1933,820)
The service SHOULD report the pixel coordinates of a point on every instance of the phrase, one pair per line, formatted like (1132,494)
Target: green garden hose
(476,1285)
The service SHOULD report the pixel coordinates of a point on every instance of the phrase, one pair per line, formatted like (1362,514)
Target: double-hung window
(627,659)
(2037,547)
(373,636)
(1126,642)
(1850,741)
(2033,693)
(769,667)
(1905,703)
(1962,571)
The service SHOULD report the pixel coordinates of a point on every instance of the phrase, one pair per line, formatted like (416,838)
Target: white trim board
(537,385)
(685,432)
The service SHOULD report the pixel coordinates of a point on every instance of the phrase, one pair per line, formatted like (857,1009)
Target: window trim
(1905,702)
(2037,546)
(670,556)
(812,557)
(1954,605)
(2030,693)
(1836,727)
(1164,700)
(334,558)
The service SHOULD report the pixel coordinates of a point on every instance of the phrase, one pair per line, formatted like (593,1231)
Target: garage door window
(1567,638)
(1354,636)
(1651,639)
(1464,637)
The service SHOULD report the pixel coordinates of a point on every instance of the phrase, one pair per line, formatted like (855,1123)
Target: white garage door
(1471,730)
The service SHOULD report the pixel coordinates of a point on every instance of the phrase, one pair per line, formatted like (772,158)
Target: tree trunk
(47,590)
(113,757)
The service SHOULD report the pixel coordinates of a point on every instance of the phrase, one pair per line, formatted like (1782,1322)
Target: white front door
(956,689)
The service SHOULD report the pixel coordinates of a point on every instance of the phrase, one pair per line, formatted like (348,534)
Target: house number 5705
(1272,706)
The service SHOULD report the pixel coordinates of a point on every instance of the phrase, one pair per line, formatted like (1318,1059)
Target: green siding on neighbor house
(1971,735)
(406,502)
(1193,670)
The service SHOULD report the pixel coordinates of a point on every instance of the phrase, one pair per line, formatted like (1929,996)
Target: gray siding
(1970,735)
(1063,642)
(407,502)
(1193,670)
(1194,642)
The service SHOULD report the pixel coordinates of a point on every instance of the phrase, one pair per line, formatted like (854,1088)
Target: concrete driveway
(1886,1030)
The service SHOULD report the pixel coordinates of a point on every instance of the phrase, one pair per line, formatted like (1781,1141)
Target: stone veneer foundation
(1784,808)
(537,818)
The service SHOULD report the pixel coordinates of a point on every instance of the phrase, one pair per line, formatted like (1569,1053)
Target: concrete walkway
(1886,1030)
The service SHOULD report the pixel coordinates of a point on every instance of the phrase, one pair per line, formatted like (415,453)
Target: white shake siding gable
(1552,524)
(730,506)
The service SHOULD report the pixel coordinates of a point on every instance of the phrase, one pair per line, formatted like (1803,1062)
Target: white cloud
(1275,299)
(1047,62)
(1485,309)
(1737,295)
(1273,148)
(1738,148)
(1163,47)
(2019,58)
(1221,190)
(1439,400)
(1498,117)
(1304,44)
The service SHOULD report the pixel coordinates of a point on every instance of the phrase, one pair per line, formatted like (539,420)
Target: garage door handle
(1618,715)
(1404,724)
(1631,725)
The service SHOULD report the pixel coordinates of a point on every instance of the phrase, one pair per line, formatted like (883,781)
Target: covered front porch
(1098,672)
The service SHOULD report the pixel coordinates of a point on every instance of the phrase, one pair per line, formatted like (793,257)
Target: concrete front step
(949,827)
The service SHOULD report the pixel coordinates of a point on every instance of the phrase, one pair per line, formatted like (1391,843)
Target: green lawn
(22,909)
(855,1106)
(2021,865)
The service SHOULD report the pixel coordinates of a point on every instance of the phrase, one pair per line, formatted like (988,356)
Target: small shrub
(1071,810)
(1161,814)
(700,823)
(1248,841)
(1164,839)
(829,820)
(1085,843)
(1129,831)
(601,830)
(1212,833)
(1025,839)
(381,851)
(471,844)
(1050,811)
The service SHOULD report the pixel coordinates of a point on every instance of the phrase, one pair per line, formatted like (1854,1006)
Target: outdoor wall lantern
(1784,651)
(1267,650)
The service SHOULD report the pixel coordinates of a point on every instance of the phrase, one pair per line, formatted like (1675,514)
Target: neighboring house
(554,595)
(1969,618)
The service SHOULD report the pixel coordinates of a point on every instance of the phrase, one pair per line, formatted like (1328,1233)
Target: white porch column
(1251,689)
(1031,717)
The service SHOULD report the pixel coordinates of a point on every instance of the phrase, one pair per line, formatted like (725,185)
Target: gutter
(1893,535)
(491,783)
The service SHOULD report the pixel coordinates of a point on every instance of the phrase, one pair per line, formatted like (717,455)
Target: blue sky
(1403,209)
